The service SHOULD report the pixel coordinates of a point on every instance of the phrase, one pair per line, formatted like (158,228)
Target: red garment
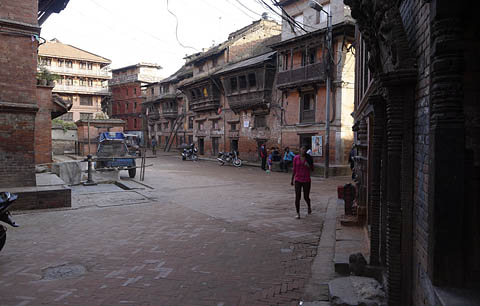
(301,170)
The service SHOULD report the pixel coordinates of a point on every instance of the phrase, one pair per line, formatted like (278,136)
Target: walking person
(302,166)
(154,146)
(263,156)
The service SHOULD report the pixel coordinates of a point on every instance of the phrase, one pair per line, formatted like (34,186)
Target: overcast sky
(128,32)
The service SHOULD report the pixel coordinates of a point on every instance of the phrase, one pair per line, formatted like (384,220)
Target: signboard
(246,123)
(317,146)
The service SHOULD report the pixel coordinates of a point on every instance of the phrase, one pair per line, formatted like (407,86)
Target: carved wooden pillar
(399,86)
(447,145)
(362,173)
(374,197)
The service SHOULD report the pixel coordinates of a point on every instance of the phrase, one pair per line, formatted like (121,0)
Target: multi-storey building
(216,125)
(166,110)
(126,87)
(193,101)
(418,147)
(82,79)
(304,61)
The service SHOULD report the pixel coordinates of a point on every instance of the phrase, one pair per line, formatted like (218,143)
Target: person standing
(287,159)
(154,146)
(263,156)
(301,179)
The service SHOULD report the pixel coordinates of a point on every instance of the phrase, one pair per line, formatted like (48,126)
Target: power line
(249,8)
(176,30)
(241,10)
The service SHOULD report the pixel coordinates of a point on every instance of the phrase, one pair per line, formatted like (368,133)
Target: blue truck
(113,153)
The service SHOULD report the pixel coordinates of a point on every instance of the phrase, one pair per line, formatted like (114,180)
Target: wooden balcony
(248,100)
(205,105)
(307,74)
(170,113)
(234,134)
(200,133)
(153,116)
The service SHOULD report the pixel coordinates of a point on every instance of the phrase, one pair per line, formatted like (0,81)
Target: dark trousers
(306,194)
(154,151)
(285,164)
(264,162)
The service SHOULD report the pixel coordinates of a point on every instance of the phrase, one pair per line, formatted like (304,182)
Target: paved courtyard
(202,235)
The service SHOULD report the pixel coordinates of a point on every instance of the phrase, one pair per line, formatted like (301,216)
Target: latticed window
(85,116)
(86,100)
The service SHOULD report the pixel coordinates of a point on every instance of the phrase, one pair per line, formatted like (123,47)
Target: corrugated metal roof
(248,62)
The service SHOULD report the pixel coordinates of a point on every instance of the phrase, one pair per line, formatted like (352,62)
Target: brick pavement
(197,243)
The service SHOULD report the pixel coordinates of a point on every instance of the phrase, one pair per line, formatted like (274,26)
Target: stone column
(374,197)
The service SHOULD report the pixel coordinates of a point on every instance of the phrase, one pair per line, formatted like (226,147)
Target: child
(269,162)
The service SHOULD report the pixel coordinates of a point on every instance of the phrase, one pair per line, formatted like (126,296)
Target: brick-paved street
(206,235)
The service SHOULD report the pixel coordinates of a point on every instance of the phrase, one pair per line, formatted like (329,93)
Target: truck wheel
(132,172)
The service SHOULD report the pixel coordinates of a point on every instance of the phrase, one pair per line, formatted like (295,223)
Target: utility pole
(316,6)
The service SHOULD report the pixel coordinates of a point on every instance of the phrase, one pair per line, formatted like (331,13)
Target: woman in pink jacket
(302,165)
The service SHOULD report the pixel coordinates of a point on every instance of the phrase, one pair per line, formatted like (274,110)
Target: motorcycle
(190,153)
(6,199)
(229,157)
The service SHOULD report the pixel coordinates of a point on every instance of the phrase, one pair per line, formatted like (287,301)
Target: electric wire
(253,18)
(239,2)
(176,31)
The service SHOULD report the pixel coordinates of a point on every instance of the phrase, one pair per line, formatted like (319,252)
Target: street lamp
(318,7)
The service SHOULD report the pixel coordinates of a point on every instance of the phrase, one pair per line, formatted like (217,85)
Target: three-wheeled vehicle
(112,152)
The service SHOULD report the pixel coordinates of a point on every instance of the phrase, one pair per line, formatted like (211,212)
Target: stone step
(356,291)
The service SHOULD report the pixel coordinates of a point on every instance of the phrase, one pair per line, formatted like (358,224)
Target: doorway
(214,146)
(201,146)
(234,145)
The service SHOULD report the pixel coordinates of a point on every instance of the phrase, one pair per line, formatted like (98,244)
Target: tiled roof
(55,48)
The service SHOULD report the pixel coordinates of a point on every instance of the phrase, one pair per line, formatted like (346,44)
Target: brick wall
(43,126)
(416,19)
(123,102)
(17,94)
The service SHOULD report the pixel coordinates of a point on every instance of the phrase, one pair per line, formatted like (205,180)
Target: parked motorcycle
(229,157)
(190,153)
(6,199)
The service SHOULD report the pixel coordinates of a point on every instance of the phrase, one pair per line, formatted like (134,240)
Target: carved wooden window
(90,83)
(205,92)
(190,122)
(252,80)
(68,64)
(260,121)
(200,125)
(83,65)
(194,95)
(233,127)
(304,58)
(89,66)
(233,84)
(312,55)
(60,63)
(242,80)
(307,111)
(215,124)
(285,61)
(198,93)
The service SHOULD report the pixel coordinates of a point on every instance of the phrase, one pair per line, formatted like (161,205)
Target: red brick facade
(127,105)
(18,93)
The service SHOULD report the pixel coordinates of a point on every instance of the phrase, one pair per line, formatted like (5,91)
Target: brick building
(303,59)
(196,101)
(19,95)
(83,77)
(126,87)
(418,147)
